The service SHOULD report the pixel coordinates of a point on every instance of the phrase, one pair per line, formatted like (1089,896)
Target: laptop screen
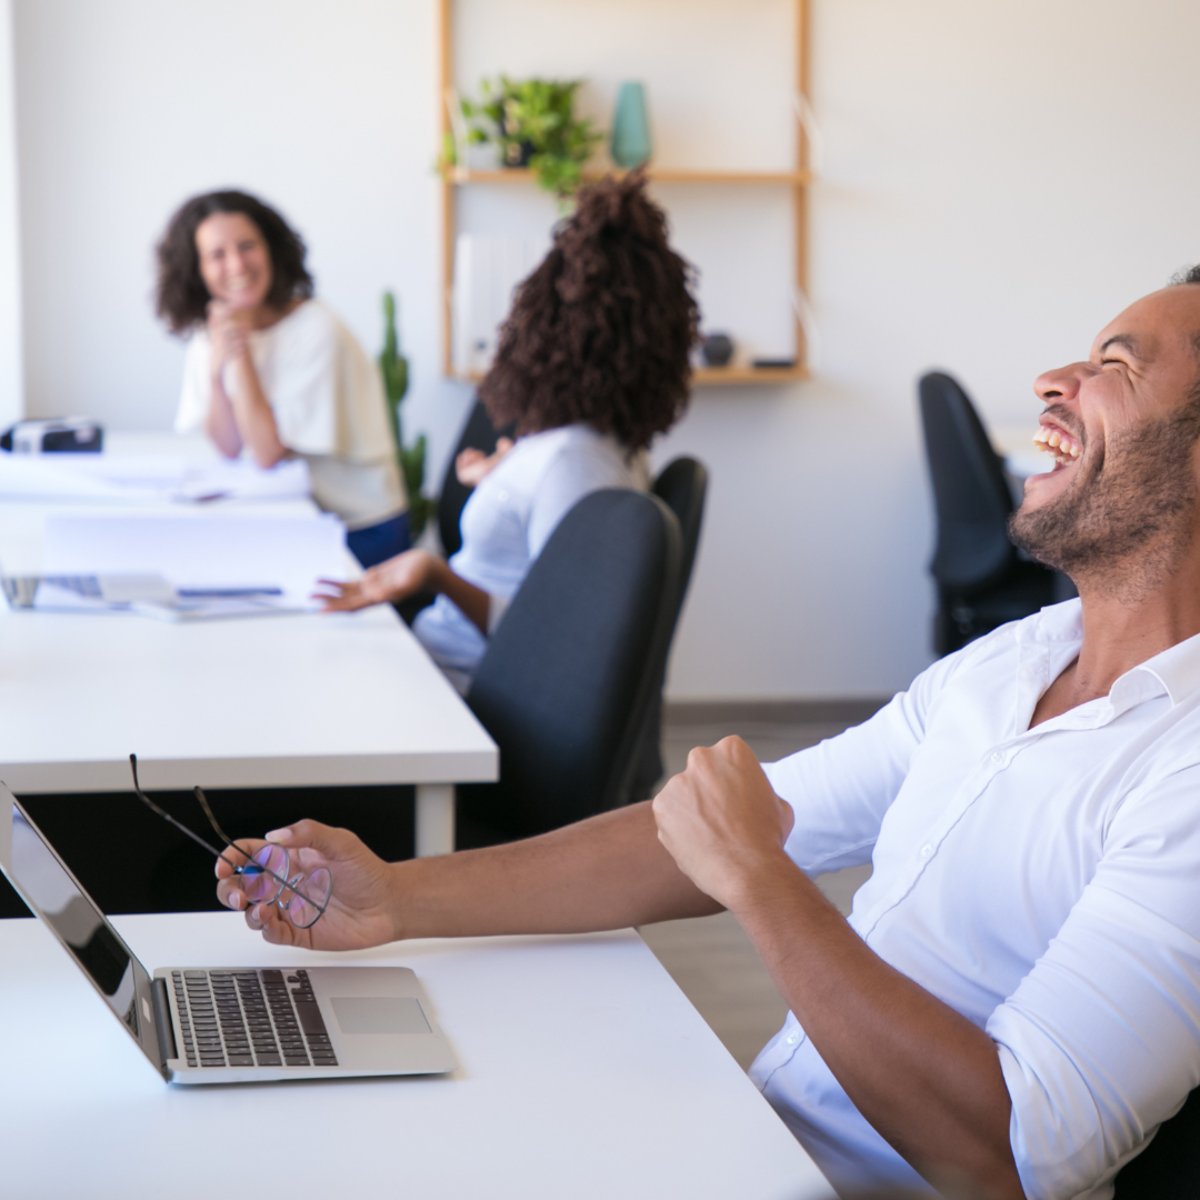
(47,885)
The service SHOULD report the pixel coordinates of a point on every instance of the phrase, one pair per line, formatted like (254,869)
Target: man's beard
(1137,499)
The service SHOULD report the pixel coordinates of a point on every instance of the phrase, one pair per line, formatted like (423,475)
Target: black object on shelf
(773,364)
(716,350)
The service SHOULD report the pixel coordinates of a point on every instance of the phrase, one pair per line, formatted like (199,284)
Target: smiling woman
(271,372)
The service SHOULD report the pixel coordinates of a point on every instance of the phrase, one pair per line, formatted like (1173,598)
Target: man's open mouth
(1054,439)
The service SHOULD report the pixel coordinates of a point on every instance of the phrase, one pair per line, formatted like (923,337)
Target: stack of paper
(135,478)
(203,551)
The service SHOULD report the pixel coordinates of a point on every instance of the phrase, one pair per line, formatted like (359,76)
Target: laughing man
(1012,1007)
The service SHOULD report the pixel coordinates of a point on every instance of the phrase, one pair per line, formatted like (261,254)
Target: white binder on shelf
(487,270)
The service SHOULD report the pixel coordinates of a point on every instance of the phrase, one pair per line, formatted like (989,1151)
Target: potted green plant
(393,365)
(533,123)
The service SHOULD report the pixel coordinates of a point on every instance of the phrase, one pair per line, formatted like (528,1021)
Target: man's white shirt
(1043,882)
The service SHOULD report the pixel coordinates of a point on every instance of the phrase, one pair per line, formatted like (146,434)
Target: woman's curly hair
(181,297)
(601,332)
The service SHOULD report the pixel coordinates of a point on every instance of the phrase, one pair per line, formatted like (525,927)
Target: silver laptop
(149,594)
(235,1025)
(85,592)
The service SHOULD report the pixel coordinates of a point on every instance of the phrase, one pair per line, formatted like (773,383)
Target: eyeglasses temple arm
(212,820)
(210,816)
(166,816)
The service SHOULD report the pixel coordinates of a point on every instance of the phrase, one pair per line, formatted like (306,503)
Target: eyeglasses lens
(260,887)
(311,895)
(306,897)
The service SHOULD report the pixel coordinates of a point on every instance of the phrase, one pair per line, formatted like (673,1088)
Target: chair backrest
(478,433)
(1170,1165)
(682,485)
(562,686)
(971,496)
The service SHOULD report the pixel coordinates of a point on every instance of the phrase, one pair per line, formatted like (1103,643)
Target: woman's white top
(506,522)
(327,397)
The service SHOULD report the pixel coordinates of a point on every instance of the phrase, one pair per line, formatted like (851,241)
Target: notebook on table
(235,1025)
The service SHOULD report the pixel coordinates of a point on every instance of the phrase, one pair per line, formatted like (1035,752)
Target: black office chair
(565,683)
(477,433)
(982,581)
(682,485)
(1170,1165)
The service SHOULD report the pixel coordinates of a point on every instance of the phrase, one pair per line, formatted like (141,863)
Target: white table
(583,1073)
(292,700)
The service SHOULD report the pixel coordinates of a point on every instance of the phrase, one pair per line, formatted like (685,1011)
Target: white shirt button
(926,850)
(997,757)
(792,1038)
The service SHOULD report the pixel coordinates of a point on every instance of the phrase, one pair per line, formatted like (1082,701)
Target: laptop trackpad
(379,1014)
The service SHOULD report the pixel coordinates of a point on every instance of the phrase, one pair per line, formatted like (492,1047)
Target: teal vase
(630,130)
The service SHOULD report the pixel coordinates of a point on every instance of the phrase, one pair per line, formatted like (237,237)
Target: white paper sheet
(133,478)
(207,549)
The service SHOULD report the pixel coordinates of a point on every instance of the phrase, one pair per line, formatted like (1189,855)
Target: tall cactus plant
(411,459)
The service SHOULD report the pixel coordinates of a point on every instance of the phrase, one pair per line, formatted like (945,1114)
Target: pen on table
(223,593)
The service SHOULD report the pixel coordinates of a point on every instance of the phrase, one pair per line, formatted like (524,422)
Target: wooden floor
(711,959)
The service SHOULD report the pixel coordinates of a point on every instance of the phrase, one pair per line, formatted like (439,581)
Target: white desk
(308,699)
(583,1073)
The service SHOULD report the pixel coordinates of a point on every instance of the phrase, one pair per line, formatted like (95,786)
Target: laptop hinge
(163,1025)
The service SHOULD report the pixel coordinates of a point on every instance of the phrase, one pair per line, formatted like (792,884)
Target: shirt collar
(1175,670)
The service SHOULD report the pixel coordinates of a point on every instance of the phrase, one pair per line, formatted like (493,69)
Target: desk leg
(435,819)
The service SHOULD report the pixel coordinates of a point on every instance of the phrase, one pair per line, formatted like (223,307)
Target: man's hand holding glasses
(362,913)
(284,882)
(266,872)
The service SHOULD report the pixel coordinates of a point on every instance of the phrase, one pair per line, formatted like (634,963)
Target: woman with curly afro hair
(593,363)
(271,372)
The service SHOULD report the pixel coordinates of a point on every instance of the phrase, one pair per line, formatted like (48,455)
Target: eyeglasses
(303,896)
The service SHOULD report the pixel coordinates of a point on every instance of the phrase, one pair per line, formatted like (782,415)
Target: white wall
(129,106)
(11,382)
(999,179)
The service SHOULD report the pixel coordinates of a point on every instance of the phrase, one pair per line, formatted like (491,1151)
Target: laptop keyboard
(87,586)
(263,1018)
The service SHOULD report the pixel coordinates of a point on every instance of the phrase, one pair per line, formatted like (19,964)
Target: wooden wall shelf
(717,376)
(795,179)
(460,176)
(742,376)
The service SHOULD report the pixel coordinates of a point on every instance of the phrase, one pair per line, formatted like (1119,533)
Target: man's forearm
(608,872)
(922,1074)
